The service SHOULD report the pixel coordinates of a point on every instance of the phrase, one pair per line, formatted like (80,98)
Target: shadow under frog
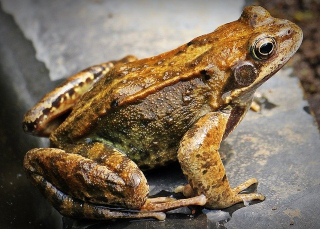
(133,115)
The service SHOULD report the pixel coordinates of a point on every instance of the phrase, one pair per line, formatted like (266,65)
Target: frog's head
(269,43)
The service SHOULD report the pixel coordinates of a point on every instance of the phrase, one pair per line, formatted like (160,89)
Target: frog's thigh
(200,161)
(48,114)
(77,186)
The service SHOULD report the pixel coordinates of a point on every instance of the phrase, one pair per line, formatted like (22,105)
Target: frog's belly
(149,132)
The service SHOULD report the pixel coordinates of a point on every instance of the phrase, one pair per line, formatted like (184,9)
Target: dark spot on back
(114,103)
(205,74)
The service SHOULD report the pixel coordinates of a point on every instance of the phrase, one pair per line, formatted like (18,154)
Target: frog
(111,122)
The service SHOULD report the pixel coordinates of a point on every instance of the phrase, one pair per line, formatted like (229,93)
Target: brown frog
(133,115)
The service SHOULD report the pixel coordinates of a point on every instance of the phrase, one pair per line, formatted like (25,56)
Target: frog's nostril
(289,31)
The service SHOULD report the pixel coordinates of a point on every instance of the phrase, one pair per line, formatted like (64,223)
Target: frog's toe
(167,204)
(245,185)
(250,197)
(246,197)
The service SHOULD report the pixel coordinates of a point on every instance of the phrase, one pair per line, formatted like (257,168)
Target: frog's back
(128,85)
(148,129)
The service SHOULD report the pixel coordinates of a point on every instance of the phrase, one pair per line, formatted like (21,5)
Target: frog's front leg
(48,114)
(82,185)
(200,161)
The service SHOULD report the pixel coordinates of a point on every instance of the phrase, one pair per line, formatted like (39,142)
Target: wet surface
(279,146)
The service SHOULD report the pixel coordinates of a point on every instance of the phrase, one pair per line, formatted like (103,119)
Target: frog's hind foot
(245,185)
(167,204)
(78,209)
(246,197)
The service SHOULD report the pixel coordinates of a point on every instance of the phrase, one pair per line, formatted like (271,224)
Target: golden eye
(263,48)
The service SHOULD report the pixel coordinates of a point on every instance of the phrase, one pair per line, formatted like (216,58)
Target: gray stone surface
(71,35)
(279,146)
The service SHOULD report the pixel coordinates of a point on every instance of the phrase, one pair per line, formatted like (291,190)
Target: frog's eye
(263,48)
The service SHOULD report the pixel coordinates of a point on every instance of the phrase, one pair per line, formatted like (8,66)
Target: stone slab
(279,146)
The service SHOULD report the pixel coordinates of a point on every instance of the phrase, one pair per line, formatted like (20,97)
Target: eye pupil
(266,48)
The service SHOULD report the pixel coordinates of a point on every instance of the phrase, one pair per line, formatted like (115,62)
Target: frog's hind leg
(50,112)
(81,184)
(101,175)
(75,208)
